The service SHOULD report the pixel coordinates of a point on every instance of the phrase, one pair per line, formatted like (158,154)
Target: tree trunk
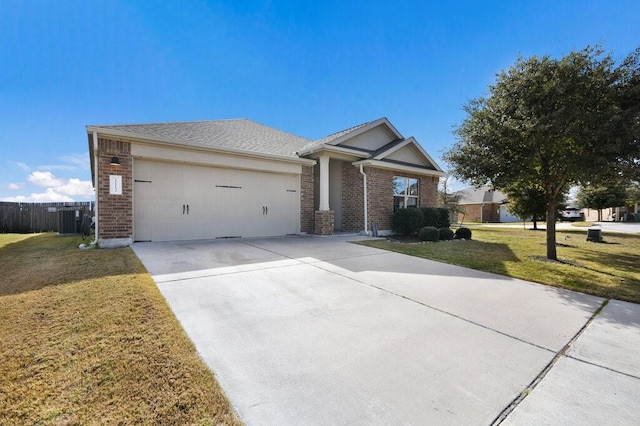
(535,223)
(551,230)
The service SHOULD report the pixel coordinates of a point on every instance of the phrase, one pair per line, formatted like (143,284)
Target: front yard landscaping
(87,338)
(610,269)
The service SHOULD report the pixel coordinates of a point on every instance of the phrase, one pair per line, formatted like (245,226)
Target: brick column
(324,222)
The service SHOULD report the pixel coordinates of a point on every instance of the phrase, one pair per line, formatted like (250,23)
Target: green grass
(610,269)
(87,338)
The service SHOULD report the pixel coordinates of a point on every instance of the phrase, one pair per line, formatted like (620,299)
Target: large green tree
(553,123)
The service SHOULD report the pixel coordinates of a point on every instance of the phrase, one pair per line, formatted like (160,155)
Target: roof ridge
(170,122)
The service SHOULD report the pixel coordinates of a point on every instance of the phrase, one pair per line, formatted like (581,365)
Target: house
(484,205)
(239,178)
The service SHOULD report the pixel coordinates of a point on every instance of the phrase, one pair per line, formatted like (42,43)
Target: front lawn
(610,269)
(87,338)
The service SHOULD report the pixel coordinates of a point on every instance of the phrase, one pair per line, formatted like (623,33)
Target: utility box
(594,235)
(68,222)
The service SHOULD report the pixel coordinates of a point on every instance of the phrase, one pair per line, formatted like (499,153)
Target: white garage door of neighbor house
(186,202)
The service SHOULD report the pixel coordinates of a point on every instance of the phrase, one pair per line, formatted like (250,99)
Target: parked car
(571,214)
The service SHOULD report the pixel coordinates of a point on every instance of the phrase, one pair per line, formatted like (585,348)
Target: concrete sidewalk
(319,331)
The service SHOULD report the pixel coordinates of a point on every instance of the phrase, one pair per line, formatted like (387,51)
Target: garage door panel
(183,202)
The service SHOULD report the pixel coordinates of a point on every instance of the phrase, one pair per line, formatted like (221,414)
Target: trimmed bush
(446,234)
(406,221)
(463,234)
(429,233)
(435,216)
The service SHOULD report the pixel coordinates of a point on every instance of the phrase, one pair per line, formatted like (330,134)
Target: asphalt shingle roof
(481,195)
(240,134)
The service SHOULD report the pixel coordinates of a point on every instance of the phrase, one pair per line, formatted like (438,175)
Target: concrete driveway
(304,330)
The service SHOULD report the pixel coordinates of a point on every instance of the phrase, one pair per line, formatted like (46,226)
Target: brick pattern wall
(307,210)
(428,191)
(115,212)
(352,198)
(380,196)
(324,222)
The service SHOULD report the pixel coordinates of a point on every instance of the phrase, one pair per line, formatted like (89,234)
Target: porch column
(324,183)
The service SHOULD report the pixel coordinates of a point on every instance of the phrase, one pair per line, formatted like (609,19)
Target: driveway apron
(304,330)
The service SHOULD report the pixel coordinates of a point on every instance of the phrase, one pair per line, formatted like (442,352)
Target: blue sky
(311,68)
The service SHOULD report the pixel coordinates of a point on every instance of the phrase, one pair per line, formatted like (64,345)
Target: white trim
(335,149)
(366,213)
(324,184)
(133,137)
(399,167)
(95,184)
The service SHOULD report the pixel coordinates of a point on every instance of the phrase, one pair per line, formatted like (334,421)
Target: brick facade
(115,212)
(307,210)
(379,196)
(352,198)
(324,222)
(480,213)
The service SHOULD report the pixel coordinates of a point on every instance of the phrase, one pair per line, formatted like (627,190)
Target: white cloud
(76,187)
(81,161)
(13,186)
(49,196)
(69,162)
(57,189)
(22,166)
(44,179)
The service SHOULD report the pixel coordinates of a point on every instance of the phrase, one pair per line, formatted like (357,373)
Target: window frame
(406,194)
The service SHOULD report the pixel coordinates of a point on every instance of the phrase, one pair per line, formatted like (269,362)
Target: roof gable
(409,154)
(483,195)
(370,139)
(406,151)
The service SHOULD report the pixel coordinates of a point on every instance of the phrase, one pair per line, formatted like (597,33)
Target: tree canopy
(553,123)
(602,196)
(528,201)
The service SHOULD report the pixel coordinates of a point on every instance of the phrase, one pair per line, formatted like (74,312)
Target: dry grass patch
(609,269)
(87,338)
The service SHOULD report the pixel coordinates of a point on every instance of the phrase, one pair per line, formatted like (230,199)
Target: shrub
(435,216)
(463,234)
(406,221)
(446,234)
(429,233)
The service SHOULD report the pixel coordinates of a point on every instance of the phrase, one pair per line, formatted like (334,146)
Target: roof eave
(399,167)
(134,137)
(335,149)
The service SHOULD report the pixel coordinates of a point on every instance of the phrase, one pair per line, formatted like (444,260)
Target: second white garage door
(187,202)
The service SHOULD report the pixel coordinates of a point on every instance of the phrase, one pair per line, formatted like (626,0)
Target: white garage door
(186,202)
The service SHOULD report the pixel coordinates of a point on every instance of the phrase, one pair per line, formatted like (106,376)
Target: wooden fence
(43,217)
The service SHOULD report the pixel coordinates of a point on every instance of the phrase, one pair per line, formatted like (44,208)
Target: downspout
(95,183)
(366,215)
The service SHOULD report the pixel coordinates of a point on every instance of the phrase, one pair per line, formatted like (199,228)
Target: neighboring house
(484,205)
(238,178)
(612,214)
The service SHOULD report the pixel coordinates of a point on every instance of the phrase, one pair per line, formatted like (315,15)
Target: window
(405,192)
